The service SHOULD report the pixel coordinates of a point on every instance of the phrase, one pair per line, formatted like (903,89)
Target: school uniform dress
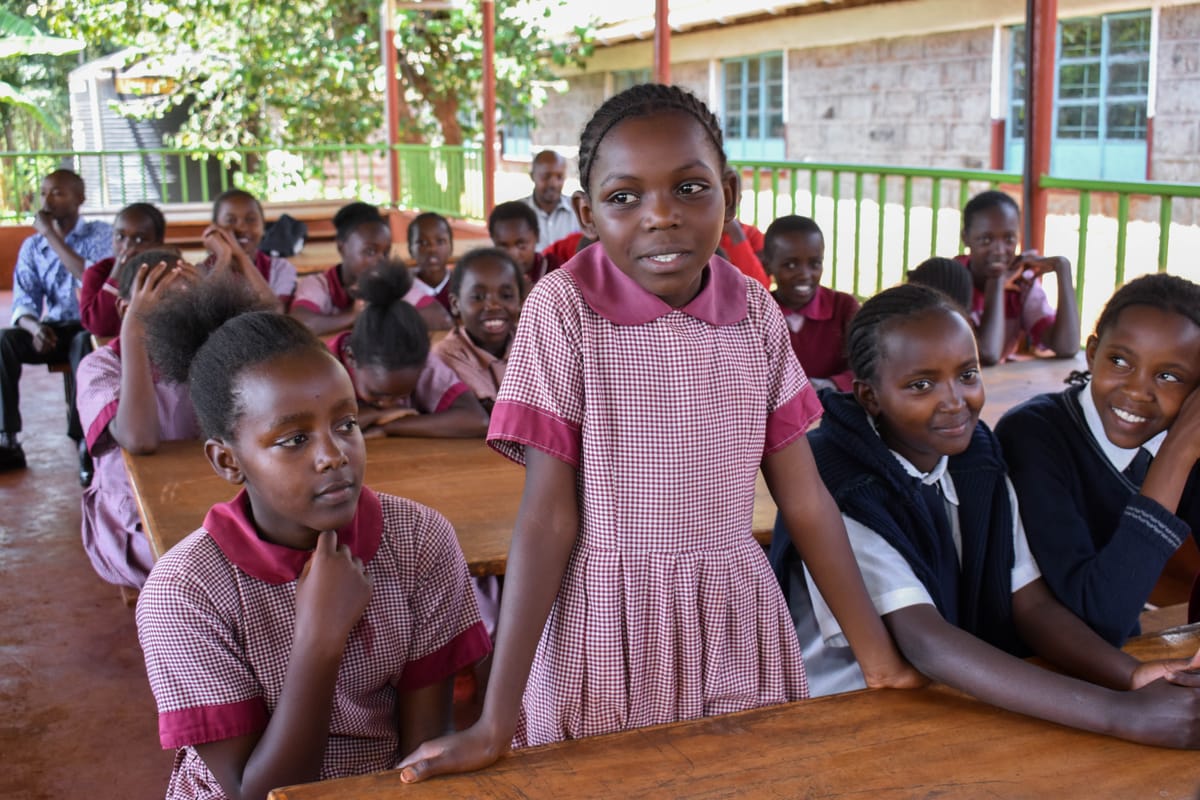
(422,294)
(818,334)
(667,610)
(1101,543)
(112,528)
(97,307)
(323,294)
(217,616)
(437,386)
(967,561)
(476,367)
(279,273)
(1027,313)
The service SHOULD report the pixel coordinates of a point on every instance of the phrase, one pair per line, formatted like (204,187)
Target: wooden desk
(1012,383)
(477,489)
(879,744)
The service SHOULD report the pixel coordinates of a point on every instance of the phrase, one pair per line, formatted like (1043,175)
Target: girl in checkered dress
(648,383)
(311,628)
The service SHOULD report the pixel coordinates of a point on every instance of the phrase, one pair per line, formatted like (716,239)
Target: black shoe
(86,469)
(12,457)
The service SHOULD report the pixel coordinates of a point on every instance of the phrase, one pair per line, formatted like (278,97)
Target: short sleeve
(98,388)
(792,403)
(202,682)
(283,277)
(312,294)
(438,386)
(1036,313)
(447,632)
(541,401)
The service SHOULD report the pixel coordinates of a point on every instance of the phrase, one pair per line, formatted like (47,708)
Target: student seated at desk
(513,227)
(934,523)
(485,298)
(124,402)
(1107,470)
(430,245)
(232,243)
(817,317)
(310,628)
(328,302)
(138,227)
(402,389)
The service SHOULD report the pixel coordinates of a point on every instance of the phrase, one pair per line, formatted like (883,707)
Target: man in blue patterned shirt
(45,314)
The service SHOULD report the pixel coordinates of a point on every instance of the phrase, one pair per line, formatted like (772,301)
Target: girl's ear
(1089,350)
(349,354)
(454,306)
(122,307)
(583,210)
(865,394)
(731,186)
(224,461)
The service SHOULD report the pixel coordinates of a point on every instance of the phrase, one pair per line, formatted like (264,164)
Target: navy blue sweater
(1101,545)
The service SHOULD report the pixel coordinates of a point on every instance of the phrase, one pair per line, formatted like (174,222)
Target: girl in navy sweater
(1107,470)
(933,522)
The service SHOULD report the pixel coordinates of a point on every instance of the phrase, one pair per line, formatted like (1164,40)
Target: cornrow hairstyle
(349,217)
(512,211)
(427,216)
(1165,292)
(864,339)
(389,332)
(984,201)
(947,276)
(457,275)
(782,226)
(129,271)
(643,100)
(235,194)
(150,212)
(209,336)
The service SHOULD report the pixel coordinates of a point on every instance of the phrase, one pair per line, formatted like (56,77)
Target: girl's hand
(332,592)
(901,675)
(472,749)
(1179,671)
(1185,430)
(220,245)
(1159,714)
(152,282)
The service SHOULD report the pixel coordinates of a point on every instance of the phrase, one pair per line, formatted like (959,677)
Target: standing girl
(311,628)
(1107,470)
(485,297)
(232,244)
(933,522)
(648,383)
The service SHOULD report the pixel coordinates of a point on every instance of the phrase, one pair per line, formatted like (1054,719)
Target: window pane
(1079,81)
(1018,121)
(753,98)
(752,71)
(1126,78)
(1081,38)
(1018,43)
(775,68)
(775,126)
(1129,35)
(753,126)
(733,127)
(1079,122)
(1126,121)
(733,102)
(733,73)
(1018,83)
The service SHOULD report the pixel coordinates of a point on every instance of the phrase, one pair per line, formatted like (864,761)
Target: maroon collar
(230,527)
(820,307)
(615,296)
(337,290)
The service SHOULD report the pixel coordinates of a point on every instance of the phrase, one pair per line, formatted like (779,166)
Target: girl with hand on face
(934,523)
(232,243)
(311,628)
(648,383)
(1107,470)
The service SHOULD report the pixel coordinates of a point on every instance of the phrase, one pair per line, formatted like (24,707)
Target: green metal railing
(444,179)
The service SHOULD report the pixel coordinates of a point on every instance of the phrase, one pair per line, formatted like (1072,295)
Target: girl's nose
(661,212)
(330,454)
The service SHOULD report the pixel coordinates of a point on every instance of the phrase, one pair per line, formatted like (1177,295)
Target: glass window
(753,107)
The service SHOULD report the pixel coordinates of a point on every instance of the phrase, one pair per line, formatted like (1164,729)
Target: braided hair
(389,332)
(643,100)
(946,275)
(864,340)
(1159,290)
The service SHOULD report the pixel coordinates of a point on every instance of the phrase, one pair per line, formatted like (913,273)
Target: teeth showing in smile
(1122,414)
(494,325)
(665,258)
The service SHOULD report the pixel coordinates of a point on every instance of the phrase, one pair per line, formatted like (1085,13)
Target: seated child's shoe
(12,456)
(86,469)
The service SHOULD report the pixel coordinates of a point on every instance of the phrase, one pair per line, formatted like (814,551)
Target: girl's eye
(969,376)
(921,385)
(1169,377)
(293,441)
(692,187)
(622,198)
(349,424)
(1119,362)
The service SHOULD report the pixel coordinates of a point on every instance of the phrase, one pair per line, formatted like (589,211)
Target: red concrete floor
(78,716)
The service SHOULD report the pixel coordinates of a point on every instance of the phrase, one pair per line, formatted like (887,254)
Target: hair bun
(385,284)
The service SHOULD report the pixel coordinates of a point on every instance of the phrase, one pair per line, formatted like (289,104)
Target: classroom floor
(79,717)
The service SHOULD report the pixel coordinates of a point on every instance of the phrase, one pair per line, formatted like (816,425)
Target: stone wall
(1175,151)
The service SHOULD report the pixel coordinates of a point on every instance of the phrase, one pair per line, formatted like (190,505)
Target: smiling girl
(934,524)
(232,243)
(1107,470)
(311,628)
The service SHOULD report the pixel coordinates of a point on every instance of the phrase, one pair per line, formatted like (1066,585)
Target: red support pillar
(489,105)
(662,42)
(392,107)
(1041,26)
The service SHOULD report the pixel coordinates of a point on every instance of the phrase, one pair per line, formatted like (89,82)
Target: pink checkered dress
(112,528)
(668,609)
(216,619)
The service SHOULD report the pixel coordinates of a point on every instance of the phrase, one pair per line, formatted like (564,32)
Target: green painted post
(908,192)
(1164,231)
(1122,223)
(858,198)
(879,236)
(935,203)
(1085,212)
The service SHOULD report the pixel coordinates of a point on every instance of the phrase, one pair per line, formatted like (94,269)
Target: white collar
(1119,457)
(938,476)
